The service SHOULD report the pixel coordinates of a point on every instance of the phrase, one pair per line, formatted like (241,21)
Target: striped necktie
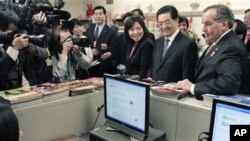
(165,48)
(96,35)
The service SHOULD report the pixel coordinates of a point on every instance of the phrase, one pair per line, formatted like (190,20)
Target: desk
(192,119)
(181,120)
(72,115)
(163,115)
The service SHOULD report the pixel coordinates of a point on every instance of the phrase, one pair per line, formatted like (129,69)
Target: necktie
(165,48)
(209,49)
(96,35)
(247,37)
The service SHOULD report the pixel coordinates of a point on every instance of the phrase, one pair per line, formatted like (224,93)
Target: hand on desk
(184,85)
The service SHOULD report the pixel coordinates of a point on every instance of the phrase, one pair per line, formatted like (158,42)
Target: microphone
(203,35)
(121,70)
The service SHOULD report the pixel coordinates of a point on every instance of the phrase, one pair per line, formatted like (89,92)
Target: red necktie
(247,37)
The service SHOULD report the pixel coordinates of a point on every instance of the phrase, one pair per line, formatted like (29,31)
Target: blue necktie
(165,48)
(96,35)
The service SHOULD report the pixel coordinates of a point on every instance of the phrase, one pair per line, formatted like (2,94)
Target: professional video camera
(7,38)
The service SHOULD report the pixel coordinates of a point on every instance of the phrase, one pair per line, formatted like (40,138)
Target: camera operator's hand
(106,55)
(20,42)
(76,49)
(95,52)
(104,46)
(67,46)
(40,17)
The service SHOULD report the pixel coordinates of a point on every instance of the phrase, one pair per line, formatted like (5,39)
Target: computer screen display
(224,114)
(127,104)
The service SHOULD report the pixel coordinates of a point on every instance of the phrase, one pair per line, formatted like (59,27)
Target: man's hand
(40,17)
(20,42)
(104,46)
(76,49)
(106,55)
(67,46)
(95,52)
(184,85)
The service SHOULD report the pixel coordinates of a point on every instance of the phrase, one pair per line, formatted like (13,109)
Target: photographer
(77,30)
(66,57)
(21,62)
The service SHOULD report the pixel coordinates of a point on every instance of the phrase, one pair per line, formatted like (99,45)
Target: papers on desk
(169,91)
(239,98)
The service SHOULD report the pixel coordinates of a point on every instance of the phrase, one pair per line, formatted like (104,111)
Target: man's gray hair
(223,13)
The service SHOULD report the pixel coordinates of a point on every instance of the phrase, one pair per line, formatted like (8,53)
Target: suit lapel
(102,34)
(159,52)
(171,49)
(212,53)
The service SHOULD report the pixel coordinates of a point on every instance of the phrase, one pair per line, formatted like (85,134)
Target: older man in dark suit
(101,37)
(175,55)
(222,69)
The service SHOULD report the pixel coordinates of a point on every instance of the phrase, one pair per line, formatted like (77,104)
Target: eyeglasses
(166,22)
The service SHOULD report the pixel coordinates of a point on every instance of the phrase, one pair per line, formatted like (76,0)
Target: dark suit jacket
(106,36)
(223,70)
(140,61)
(34,67)
(121,49)
(179,61)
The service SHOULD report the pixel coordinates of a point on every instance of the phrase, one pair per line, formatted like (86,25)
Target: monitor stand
(106,133)
(108,128)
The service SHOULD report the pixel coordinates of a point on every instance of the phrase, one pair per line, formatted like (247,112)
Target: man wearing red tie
(223,69)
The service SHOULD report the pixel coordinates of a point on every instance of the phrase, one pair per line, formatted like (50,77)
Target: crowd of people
(74,52)
(173,57)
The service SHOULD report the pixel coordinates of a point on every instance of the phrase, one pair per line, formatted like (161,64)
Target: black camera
(39,40)
(8,37)
(81,42)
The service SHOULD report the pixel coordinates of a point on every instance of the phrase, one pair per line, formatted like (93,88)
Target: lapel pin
(212,54)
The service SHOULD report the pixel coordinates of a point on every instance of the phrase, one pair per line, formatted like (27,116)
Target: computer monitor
(224,114)
(127,105)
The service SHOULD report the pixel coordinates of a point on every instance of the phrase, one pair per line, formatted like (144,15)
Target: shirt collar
(222,36)
(172,37)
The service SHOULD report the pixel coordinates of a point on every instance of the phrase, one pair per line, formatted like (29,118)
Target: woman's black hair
(129,24)
(9,128)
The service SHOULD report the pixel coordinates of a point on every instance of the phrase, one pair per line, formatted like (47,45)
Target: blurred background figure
(247,23)
(184,25)
(240,29)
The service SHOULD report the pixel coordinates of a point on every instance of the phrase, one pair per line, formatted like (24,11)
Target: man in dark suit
(175,55)
(102,42)
(222,69)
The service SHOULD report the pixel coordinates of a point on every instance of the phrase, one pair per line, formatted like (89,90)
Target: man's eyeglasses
(166,23)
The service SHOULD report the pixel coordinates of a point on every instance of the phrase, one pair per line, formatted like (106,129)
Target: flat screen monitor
(127,106)
(224,114)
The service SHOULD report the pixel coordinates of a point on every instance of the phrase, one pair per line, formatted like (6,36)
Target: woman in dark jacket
(140,47)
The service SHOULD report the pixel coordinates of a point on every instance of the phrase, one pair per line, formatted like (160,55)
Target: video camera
(7,38)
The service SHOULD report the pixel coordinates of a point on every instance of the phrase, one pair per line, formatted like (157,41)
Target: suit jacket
(106,36)
(140,60)
(121,49)
(33,67)
(179,61)
(224,69)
